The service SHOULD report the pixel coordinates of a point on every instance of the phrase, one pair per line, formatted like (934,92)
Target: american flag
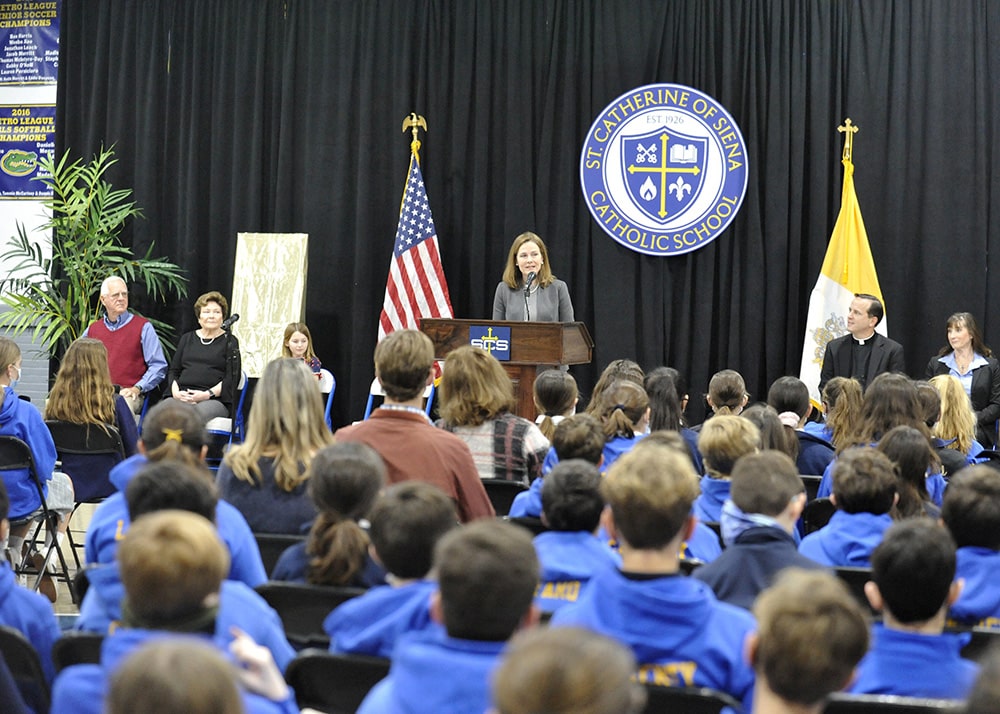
(416,287)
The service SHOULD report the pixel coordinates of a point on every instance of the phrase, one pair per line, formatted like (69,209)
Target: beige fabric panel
(269,291)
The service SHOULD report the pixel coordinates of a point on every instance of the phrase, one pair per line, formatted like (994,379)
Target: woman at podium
(529,290)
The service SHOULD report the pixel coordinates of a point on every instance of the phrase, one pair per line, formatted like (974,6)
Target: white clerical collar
(862,342)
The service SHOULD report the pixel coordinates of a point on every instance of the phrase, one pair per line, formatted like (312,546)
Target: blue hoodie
(819,430)
(714,492)
(569,559)
(81,688)
(910,664)
(110,521)
(30,614)
(935,484)
(239,605)
(372,623)
(528,503)
(432,672)
(815,454)
(703,544)
(979,603)
(613,449)
(680,633)
(21,419)
(847,540)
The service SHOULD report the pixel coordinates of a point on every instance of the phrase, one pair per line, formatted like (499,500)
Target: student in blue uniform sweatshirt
(172,431)
(790,398)
(623,410)
(864,491)
(487,575)
(971,511)
(566,670)
(811,632)
(576,437)
(570,552)
(175,676)
(913,583)
(172,567)
(758,521)
(407,521)
(723,440)
(22,609)
(171,485)
(680,633)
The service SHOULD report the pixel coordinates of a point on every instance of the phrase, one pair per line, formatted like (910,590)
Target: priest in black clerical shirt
(862,353)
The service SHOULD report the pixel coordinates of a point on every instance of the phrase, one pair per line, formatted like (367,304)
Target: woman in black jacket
(967,357)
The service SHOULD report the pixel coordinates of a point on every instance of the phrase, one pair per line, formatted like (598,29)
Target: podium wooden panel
(532,345)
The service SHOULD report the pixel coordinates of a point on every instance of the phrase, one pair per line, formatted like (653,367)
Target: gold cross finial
(411,122)
(849,130)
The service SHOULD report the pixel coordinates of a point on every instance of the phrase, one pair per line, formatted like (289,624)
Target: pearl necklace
(210,341)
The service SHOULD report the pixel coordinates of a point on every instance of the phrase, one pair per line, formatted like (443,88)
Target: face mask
(13,382)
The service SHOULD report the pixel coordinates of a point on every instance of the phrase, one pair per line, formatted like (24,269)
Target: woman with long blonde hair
(83,393)
(956,426)
(265,477)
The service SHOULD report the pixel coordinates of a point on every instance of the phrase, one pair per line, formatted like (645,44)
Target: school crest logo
(664,169)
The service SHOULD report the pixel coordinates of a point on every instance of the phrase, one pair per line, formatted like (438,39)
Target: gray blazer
(552,304)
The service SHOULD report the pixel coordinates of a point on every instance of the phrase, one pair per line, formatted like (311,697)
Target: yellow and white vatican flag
(847,269)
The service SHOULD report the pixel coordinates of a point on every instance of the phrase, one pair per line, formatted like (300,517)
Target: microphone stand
(527,310)
(230,372)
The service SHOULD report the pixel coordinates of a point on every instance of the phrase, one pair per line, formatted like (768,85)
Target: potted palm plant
(57,296)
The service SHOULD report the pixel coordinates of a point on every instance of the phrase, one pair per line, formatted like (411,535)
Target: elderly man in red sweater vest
(135,355)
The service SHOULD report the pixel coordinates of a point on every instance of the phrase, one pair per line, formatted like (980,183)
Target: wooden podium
(532,345)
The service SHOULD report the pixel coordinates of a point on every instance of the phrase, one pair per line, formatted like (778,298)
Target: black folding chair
(817,514)
(534,525)
(888,704)
(502,493)
(982,641)
(15,455)
(811,483)
(272,545)
(690,700)
(87,453)
(76,648)
(303,608)
(334,683)
(26,667)
(855,579)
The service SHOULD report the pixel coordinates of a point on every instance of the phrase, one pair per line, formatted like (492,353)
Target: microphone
(230,321)
(527,291)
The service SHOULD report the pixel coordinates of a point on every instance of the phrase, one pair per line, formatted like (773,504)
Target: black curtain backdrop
(284,115)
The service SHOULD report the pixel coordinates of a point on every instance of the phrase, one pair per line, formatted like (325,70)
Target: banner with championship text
(27,133)
(29,41)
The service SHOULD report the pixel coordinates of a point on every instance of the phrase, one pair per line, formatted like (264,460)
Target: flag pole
(848,268)
(412,122)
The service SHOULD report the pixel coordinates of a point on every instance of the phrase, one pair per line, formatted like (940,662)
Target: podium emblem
(495,340)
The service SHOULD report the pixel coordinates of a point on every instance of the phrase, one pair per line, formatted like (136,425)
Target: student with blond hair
(723,440)
(172,568)
(811,632)
(680,633)
(566,670)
